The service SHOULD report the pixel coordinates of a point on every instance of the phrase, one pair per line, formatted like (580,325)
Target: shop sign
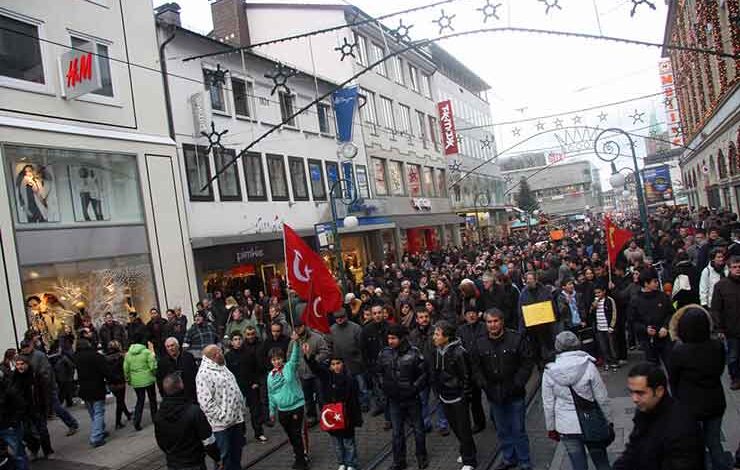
(447,125)
(249,254)
(200,114)
(421,204)
(670,102)
(81,74)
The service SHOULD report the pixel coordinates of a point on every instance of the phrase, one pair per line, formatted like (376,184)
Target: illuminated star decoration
(217,76)
(540,126)
(214,138)
(486,143)
(489,11)
(637,117)
(677,131)
(576,119)
(455,166)
(602,116)
(516,131)
(459,138)
(558,123)
(280,77)
(637,3)
(347,49)
(551,4)
(668,102)
(401,32)
(444,22)
(508,179)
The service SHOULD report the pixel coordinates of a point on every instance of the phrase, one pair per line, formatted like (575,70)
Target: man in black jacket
(244,362)
(665,436)
(421,338)
(11,415)
(726,311)
(157,331)
(502,364)
(542,336)
(177,360)
(651,311)
(92,372)
(374,339)
(182,430)
(451,379)
(469,333)
(404,374)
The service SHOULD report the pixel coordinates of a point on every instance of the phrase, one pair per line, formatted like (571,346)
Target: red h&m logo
(80,69)
(447,125)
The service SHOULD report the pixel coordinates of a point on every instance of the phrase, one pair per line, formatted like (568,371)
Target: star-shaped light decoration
(577,119)
(214,138)
(486,143)
(489,11)
(637,117)
(540,126)
(508,179)
(216,77)
(455,166)
(602,116)
(668,102)
(677,130)
(401,32)
(516,131)
(444,21)
(558,123)
(637,3)
(280,77)
(551,4)
(347,49)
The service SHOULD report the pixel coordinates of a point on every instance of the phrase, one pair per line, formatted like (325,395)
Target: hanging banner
(345,101)
(670,102)
(658,187)
(447,126)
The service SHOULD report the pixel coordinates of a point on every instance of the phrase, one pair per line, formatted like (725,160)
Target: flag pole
(287,280)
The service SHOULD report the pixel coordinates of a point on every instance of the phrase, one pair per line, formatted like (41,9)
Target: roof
(441,55)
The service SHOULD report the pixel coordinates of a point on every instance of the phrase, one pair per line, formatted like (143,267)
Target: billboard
(657,181)
(670,101)
(447,126)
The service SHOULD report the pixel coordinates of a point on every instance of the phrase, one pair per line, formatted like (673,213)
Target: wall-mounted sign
(200,114)
(658,188)
(421,204)
(670,102)
(80,72)
(447,125)
(250,253)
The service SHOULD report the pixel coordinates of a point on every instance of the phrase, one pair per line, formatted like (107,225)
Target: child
(338,386)
(286,399)
(604,311)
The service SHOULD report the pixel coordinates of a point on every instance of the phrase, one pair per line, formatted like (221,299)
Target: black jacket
(502,366)
(158,332)
(246,365)
(421,338)
(92,372)
(185,363)
(34,388)
(115,368)
(450,372)
(470,332)
(374,339)
(402,371)
(650,309)
(137,332)
(12,404)
(667,438)
(726,306)
(115,331)
(180,427)
(339,388)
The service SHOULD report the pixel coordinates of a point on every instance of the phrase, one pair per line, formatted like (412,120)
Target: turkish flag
(332,417)
(616,238)
(309,277)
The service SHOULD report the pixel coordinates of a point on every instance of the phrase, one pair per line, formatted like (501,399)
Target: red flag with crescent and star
(616,238)
(332,417)
(309,277)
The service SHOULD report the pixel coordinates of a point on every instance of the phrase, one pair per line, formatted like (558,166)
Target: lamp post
(611,151)
(477,215)
(350,221)
(529,214)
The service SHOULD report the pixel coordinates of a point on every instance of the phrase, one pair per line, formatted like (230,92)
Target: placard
(538,314)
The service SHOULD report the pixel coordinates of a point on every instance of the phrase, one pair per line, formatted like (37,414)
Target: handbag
(332,417)
(595,429)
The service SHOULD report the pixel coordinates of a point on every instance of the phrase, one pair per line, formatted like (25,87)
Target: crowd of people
(423,341)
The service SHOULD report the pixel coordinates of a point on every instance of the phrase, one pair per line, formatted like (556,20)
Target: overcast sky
(532,75)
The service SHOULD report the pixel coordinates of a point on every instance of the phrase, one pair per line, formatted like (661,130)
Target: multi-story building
(87,164)
(707,91)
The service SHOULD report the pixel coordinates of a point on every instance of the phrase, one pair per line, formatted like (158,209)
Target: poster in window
(35,192)
(381,188)
(90,194)
(396,178)
(414,180)
(362,185)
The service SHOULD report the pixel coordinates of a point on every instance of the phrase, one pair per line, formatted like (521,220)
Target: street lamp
(611,151)
(529,215)
(349,221)
(477,216)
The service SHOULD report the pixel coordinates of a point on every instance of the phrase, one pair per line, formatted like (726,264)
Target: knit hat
(349,298)
(567,341)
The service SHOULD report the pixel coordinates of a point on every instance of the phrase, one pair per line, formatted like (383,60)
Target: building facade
(91,214)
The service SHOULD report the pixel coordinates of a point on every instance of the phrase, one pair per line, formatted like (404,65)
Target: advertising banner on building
(657,180)
(345,101)
(670,101)
(447,126)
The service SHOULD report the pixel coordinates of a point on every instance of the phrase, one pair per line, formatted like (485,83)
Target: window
(368,111)
(323,110)
(381,188)
(426,86)
(413,179)
(386,106)
(332,176)
(254,174)
(433,131)
(278,183)
(316,175)
(421,123)
(399,71)
(413,78)
(298,178)
(441,183)
(286,108)
(378,54)
(405,123)
(395,177)
(428,181)
(228,181)
(243,93)
(20,51)
(361,42)
(103,64)
(198,171)
(362,186)
(215,91)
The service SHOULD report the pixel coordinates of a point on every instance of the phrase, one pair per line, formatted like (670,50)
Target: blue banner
(349,179)
(657,182)
(345,101)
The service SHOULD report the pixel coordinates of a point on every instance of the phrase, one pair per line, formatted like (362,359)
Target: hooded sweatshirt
(140,366)
(219,395)
(574,369)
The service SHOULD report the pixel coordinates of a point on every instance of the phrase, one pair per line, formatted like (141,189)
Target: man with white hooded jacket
(574,369)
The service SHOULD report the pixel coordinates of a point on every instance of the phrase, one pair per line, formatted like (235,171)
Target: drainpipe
(166,83)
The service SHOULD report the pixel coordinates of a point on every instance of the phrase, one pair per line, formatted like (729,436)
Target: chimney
(230,22)
(169,13)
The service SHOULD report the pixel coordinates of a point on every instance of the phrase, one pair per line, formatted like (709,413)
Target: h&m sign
(80,72)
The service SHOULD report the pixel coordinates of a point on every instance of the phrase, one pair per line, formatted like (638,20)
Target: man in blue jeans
(502,364)
(726,310)
(92,372)
(11,429)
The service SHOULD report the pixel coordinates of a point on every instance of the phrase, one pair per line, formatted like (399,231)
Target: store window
(428,181)
(20,51)
(103,63)
(441,183)
(379,175)
(395,177)
(414,180)
(228,181)
(298,178)
(332,176)
(255,176)
(287,108)
(243,92)
(215,90)
(316,175)
(362,184)
(70,186)
(198,170)
(278,181)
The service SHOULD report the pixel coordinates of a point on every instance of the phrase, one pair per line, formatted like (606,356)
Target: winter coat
(347,343)
(319,349)
(35,390)
(650,309)
(236,326)
(158,331)
(726,306)
(339,388)
(284,386)
(709,278)
(92,372)
(574,369)
(64,368)
(696,364)
(246,365)
(532,296)
(139,366)
(180,428)
(12,404)
(470,332)
(374,339)
(502,366)
(185,364)
(114,361)
(450,372)
(403,372)
(114,331)
(421,338)
(137,332)
(448,307)
(219,395)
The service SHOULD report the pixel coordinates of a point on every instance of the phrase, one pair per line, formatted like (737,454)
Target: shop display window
(381,188)
(414,180)
(395,177)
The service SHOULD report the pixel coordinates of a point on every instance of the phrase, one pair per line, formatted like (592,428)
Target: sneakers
(72,431)
(262,438)
(98,444)
(467,467)
(342,467)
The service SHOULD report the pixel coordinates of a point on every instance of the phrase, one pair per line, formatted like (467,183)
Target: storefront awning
(426,220)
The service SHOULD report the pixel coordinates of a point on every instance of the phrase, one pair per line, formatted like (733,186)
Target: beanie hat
(567,341)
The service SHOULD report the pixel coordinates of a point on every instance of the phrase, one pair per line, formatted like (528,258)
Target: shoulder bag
(595,429)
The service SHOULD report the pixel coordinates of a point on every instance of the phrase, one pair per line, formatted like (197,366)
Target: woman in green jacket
(140,368)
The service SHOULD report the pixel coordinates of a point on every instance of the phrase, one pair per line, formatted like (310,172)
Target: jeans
(96,410)
(254,403)
(36,434)
(427,413)
(310,388)
(459,419)
(577,452)
(230,442)
(712,429)
(14,438)
(361,381)
(510,429)
(376,392)
(402,411)
(121,408)
(476,407)
(346,450)
(733,357)
(151,391)
(658,350)
(605,343)
(292,423)
(62,412)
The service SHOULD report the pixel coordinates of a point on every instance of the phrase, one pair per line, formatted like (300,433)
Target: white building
(84,176)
